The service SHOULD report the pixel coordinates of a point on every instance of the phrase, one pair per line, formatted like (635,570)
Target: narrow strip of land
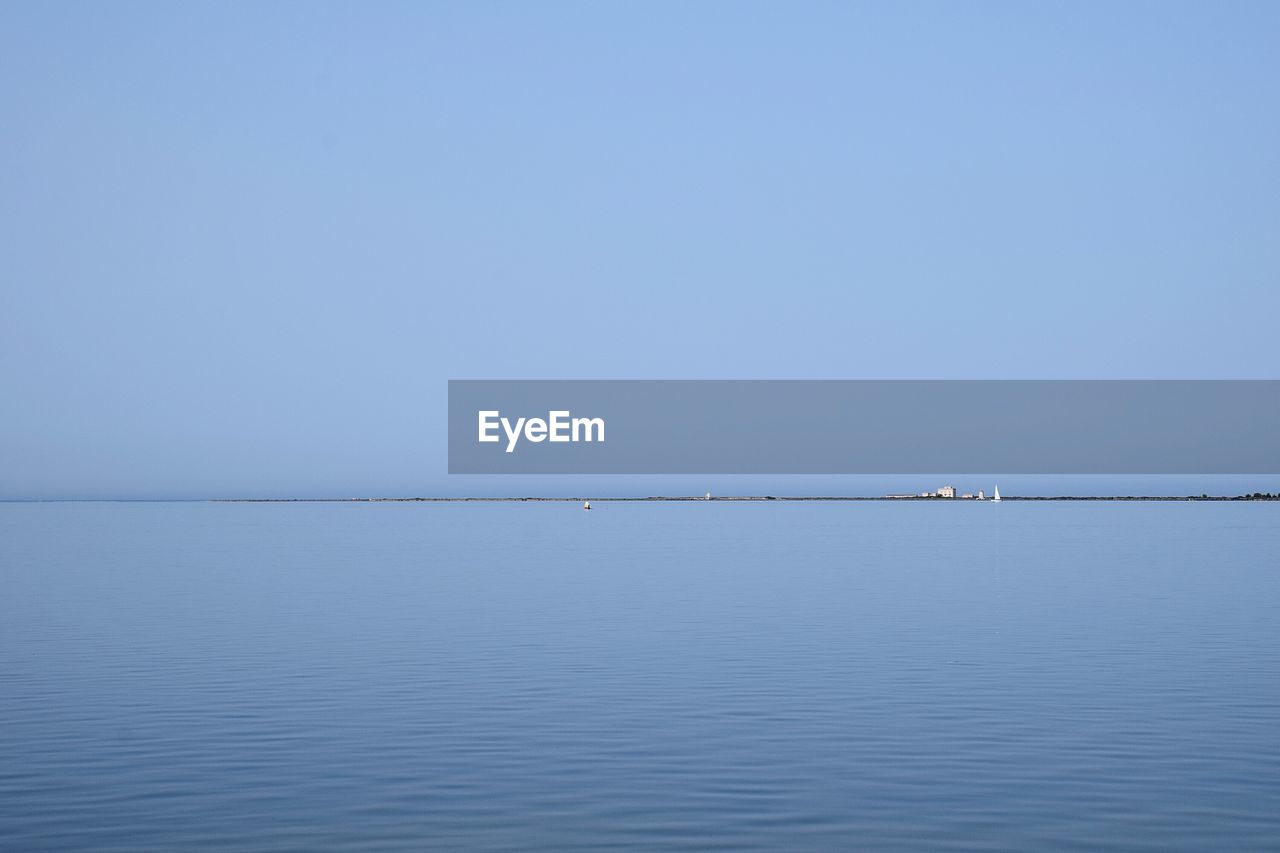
(1257,496)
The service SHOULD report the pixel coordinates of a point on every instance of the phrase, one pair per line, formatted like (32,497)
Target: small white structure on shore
(708,497)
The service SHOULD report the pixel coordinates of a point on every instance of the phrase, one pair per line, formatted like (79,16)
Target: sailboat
(586,504)
(995,498)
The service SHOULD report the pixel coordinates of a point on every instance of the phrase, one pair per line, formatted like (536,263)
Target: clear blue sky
(245,245)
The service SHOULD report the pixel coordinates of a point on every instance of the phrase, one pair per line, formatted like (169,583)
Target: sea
(914,675)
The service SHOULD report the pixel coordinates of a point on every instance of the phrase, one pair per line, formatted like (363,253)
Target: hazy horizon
(746,485)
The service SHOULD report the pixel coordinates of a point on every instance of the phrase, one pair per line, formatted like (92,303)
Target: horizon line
(1248,496)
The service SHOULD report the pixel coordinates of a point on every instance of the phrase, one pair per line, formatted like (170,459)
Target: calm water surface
(778,676)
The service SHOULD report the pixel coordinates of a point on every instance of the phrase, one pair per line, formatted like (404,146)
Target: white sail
(996,497)
(586,504)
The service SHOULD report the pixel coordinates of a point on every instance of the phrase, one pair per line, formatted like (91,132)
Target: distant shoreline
(1257,496)
(1205,498)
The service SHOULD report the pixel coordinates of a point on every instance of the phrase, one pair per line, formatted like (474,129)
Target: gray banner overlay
(865,427)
